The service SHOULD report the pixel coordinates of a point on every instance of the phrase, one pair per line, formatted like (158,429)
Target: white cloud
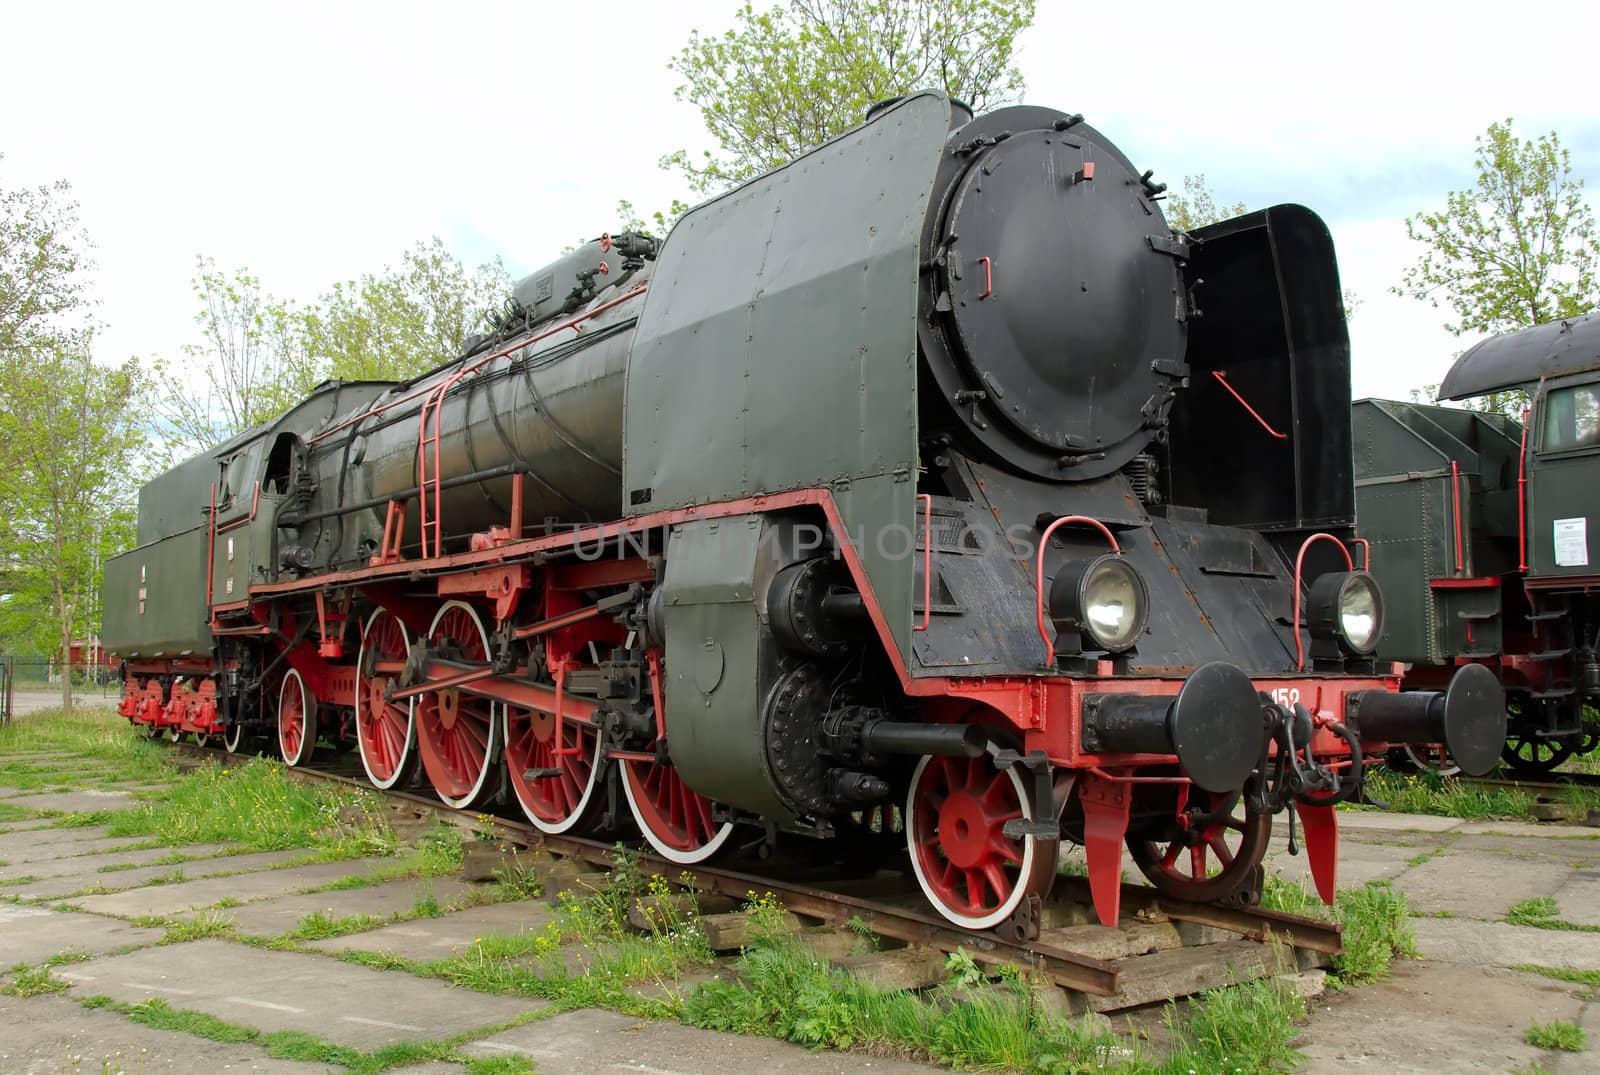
(313,142)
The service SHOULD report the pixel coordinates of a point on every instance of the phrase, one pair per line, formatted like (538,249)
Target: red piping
(1455,497)
(1222,379)
(372,412)
(1366,552)
(1299,564)
(988,277)
(1038,572)
(927,561)
(1522,498)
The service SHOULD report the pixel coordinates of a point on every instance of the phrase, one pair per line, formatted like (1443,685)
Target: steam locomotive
(1480,526)
(929,490)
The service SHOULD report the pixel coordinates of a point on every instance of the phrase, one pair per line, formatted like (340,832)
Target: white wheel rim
(491,749)
(667,851)
(409,751)
(555,828)
(307,715)
(1424,763)
(1029,848)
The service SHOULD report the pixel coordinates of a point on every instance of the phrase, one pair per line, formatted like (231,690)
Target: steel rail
(911,925)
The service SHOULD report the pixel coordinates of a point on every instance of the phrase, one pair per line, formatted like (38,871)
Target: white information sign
(1572,542)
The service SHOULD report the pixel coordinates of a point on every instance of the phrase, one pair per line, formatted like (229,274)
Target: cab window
(1572,418)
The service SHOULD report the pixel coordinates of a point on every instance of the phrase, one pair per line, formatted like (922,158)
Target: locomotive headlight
(1104,599)
(1346,606)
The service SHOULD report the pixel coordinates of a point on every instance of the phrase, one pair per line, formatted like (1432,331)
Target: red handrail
(519,345)
(1522,495)
(1366,552)
(1222,379)
(1299,565)
(1455,499)
(1038,572)
(927,561)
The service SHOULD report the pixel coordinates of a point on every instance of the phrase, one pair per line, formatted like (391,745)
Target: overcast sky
(313,142)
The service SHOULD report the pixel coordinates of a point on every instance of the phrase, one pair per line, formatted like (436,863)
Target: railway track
(896,916)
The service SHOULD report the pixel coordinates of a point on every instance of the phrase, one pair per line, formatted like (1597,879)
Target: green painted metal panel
(784,313)
(1563,471)
(155,599)
(169,504)
(712,666)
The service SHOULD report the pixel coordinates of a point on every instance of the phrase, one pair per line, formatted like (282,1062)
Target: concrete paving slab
(89,864)
(38,832)
(1385,821)
(65,847)
(1579,897)
(270,917)
(427,939)
(1501,944)
(1478,884)
(1358,863)
(32,934)
(604,1043)
(1579,1063)
(1551,829)
(64,885)
(20,825)
(1433,1017)
(1572,852)
(55,1035)
(273,990)
(192,895)
(73,802)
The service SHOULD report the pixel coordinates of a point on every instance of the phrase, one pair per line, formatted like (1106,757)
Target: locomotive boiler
(928,492)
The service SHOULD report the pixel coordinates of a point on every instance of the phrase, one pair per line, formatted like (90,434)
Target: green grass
(1428,793)
(258,806)
(500,1065)
(1376,922)
(210,924)
(97,734)
(784,991)
(1557,1034)
(1542,912)
(24,980)
(318,925)
(308,1048)
(1562,974)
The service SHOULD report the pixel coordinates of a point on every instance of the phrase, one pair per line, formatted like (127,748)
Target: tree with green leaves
(402,322)
(787,79)
(248,366)
(1197,206)
(43,262)
(1518,248)
(67,492)
(259,355)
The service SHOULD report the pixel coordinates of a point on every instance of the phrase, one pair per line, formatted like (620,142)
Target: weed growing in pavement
(516,883)
(427,905)
(1376,922)
(1557,1034)
(1562,974)
(24,980)
(15,813)
(500,1065)
(296,1045)
(318,925)
(257,805)
(1542,912)
(210,924)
